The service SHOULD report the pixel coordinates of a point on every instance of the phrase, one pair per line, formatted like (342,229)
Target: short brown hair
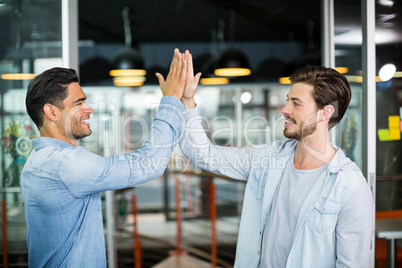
(330,88)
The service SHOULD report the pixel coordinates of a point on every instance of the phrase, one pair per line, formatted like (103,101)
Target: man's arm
(84,172)
(195,145)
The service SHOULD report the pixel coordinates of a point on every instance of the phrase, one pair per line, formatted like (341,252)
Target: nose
(88,108)
(285,109)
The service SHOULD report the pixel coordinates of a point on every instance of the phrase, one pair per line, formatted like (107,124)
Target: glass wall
(30,42)
(388,39)
(389,106)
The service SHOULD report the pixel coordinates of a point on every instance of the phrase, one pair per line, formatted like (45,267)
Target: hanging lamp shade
(22,59)
(128,68)
(208,77)
(232,63)
(127,62)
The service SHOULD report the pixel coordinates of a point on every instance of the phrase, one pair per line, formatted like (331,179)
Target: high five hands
(180,82)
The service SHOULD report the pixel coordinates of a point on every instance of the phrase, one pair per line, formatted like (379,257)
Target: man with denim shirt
(61,182)
(306,204)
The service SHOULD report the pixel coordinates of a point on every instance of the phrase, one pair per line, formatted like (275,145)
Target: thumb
(161,80)
(197,78)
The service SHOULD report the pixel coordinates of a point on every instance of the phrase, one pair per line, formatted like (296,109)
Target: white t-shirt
(289,197)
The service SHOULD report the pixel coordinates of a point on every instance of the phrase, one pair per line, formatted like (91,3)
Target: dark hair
(48,87)
(330,88)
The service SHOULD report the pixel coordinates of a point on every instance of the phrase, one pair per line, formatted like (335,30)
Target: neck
(313,151)
(52,132)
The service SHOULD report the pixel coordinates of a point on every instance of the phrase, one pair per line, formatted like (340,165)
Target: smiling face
(76,111)
(300,112)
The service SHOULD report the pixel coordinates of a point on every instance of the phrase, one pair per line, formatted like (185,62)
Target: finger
(179,65)
(183,75)
(197,78)
(161,80)
(173,64)
(190,69)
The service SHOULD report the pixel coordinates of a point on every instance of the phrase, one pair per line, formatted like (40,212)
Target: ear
(51,112)
(327,112)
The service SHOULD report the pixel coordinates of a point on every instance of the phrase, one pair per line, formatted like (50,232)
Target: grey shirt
(293,189)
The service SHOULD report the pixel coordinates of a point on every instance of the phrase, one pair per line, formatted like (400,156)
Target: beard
(80,135)
(73,129)
(299,134)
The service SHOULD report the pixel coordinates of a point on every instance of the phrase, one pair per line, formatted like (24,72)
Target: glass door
(31,42)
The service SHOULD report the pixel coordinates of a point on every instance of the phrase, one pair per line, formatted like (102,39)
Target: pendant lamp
(233,63)
(127,64)
(22,63)
(208,77)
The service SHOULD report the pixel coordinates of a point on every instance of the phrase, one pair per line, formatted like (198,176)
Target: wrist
(189,103)
(177,96)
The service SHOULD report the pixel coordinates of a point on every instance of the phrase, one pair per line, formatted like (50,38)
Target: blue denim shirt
(61,185)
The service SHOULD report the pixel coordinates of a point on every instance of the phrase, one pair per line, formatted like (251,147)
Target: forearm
(151,159)
(197,147)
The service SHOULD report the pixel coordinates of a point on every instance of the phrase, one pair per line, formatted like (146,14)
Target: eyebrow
(81,99)
(294,98)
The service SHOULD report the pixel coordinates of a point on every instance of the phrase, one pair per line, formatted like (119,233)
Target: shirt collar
(47,141)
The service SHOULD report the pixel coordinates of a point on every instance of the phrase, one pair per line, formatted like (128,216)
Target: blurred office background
(270,38)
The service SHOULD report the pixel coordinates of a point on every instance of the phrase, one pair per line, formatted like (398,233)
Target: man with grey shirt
(306,204)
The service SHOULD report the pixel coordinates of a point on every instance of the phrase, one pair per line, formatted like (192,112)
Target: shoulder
(355,184)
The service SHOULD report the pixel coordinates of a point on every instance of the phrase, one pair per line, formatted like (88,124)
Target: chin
(83,135)
(291,135)
(87,134)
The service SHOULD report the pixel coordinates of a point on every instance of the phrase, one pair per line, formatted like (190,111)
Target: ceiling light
(284,80)
(21,60)
(18,76)
(128,81)
(214,81)
(387,3)
(128,72)
(245,97)
(342,70)
(387,72)
(128,84)
(128,61)
(232,62)
(232,72)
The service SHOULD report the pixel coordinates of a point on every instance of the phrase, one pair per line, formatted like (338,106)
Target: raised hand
(191,82)
(176,79)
